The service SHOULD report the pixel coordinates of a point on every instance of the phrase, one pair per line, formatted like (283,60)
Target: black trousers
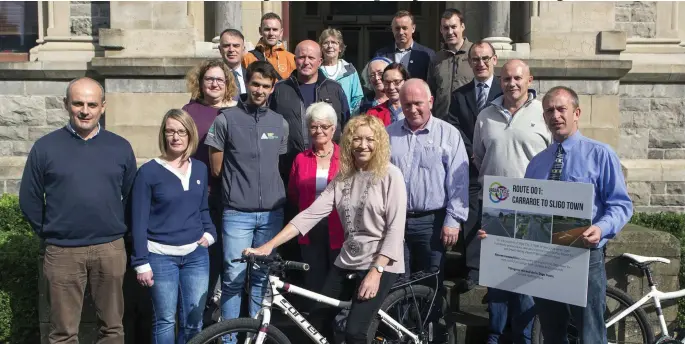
(319,255)
(361,312)
(471,227)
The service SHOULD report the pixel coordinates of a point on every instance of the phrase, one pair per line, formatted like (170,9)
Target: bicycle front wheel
(632,329)
(241,329)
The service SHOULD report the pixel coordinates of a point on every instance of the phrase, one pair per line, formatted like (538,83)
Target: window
(18,26)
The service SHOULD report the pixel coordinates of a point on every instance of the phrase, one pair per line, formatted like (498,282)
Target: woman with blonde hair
(172,230)
(335,68)
(212,87)
(370,195)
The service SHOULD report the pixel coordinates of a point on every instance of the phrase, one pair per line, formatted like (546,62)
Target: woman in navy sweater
(172,229)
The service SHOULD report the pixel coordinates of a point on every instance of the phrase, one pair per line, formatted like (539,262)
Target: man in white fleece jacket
(508,134)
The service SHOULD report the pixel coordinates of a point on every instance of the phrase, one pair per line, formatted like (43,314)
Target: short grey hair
(72,82)
(321,111)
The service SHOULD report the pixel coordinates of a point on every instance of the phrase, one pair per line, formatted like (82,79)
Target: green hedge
(19,250)
(675,224)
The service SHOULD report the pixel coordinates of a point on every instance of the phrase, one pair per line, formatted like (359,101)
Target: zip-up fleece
(349,80)
(252,140)
(504,144)
(287,101)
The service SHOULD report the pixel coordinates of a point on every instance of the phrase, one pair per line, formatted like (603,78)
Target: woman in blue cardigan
(172,230)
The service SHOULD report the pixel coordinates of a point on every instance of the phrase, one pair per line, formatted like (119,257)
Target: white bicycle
(410,303)
(626,320)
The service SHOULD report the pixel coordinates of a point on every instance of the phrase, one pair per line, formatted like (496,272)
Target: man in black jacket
(467,101)
(414,56)
(305,86)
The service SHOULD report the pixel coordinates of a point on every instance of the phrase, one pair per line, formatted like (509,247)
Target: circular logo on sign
(498,192)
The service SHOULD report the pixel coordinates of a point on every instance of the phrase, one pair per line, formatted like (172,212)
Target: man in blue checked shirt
(575,158)
(431,154)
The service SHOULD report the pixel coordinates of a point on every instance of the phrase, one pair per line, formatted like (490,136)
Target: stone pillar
(497,29)
(227,15)
(56,42)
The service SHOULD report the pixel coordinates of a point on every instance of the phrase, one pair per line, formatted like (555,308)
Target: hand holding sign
(592,236)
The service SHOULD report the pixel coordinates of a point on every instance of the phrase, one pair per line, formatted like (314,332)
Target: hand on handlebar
(263,250)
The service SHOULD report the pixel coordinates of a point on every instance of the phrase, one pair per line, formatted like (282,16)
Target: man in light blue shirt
(574,158)
(431,154)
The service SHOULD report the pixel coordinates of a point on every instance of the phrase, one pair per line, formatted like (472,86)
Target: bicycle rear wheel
(633,329)
(241,328)
(409,306)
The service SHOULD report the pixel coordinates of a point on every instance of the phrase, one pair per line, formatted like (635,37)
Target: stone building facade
(625,59)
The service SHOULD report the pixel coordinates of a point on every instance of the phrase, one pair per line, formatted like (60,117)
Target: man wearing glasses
(467,101)
(245,144)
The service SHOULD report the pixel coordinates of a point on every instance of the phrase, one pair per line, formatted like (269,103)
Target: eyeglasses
(171,132)
(485,59)
(397,83)
(377,75)
(210,80)
(323,127)
(328,43)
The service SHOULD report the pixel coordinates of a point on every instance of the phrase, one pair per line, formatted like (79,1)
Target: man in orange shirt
(270,48)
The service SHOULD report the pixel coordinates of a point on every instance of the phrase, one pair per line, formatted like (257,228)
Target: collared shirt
(593,162)
(241,80)
(395,114)
(484,89)
(73,131)
(435,167)
(402,55)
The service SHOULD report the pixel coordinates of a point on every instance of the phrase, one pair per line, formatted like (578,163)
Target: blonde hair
(197,73)
(188,123)
(381,153)
(335,33)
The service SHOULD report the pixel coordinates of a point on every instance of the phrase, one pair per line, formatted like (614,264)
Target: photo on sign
(499,222)
(568,231)
(534,227)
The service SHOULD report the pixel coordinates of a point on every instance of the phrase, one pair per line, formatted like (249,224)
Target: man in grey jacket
(450,68)
(245,144)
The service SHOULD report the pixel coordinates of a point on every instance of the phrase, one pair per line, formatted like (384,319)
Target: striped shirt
(435,167)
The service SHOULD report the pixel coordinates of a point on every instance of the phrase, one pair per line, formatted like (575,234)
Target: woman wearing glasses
(311,172)
(335,68)
(172,230)
(394,77)
(212,87)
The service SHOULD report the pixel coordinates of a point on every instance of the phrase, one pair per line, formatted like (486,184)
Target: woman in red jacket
(311,172)
(394,76)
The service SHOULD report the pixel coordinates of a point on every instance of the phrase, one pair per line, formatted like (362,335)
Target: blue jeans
(240,231)
(589,320)
(502,304)
(179,281)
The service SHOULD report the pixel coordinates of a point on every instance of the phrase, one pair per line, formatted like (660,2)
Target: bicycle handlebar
(272,261)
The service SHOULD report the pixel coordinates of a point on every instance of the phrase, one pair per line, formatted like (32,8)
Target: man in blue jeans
(245,144)
(574,158)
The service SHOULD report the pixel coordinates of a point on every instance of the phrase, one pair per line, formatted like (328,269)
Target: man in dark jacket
(467,101)
(306,85)
(414,56)
(245,144)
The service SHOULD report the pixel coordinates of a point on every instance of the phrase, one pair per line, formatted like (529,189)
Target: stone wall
(636,18)
(28,110)
(88,17)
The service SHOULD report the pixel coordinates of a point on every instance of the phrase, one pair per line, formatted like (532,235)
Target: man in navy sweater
(75,184)
(245,144)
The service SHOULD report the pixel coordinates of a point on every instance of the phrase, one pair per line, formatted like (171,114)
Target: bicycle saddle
(643,260)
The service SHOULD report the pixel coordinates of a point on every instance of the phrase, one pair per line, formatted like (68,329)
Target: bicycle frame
(274,298)
(657,296)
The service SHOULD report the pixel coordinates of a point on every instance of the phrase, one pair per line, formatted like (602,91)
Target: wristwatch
(378,268)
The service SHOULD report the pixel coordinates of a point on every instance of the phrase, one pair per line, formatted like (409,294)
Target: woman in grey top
(370,195)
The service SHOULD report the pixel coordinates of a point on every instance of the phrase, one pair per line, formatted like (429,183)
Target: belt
(424,213)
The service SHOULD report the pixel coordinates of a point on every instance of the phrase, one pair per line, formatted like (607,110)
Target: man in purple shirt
(431,155)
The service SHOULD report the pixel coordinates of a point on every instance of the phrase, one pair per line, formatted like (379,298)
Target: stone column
(497,29)
(56,41)
(227,15)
